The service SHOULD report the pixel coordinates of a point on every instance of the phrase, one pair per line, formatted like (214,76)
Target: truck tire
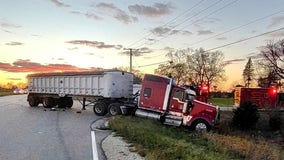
(61,102)
(100,108)
(65,102)
(33,101)
(114,109)
(201,125)
(48,102)
(69,102)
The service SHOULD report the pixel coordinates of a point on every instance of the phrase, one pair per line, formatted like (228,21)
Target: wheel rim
(98,109)
(44,103)
(201,127)
(113,110)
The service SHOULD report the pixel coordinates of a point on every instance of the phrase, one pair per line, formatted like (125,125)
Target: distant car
(19,91)
(16,91)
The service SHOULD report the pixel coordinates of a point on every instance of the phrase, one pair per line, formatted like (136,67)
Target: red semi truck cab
(162,99)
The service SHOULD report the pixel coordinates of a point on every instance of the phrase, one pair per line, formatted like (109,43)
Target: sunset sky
(56,35)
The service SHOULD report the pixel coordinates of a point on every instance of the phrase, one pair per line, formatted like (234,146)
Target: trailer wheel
(201,125)
(69,102)
(100,108)
(33,101)
(114,109)
(61,102)
(65,102)
(48,102)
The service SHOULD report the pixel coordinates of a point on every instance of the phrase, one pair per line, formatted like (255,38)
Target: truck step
(173,120)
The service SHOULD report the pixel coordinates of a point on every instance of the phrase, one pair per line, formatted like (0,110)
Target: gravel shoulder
(115,148)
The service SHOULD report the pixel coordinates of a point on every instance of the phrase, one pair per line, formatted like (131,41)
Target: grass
(222,102)
(156,141)
(246,147)
(5,92)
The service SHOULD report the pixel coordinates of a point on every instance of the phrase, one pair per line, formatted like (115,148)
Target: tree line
(196,67)
(268,68)
(201,67)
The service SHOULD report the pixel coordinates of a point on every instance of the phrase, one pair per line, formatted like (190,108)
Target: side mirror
(188,106)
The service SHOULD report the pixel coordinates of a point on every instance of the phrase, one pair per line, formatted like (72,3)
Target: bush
(246,116)
(275,120)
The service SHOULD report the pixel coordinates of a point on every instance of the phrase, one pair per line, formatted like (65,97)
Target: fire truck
(202,93)
(112,92)
(264,98)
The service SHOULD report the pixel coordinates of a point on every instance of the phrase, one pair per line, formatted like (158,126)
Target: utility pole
(130,50)
(130,56)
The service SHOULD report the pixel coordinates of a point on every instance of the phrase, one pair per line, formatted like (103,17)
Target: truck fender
(193,120)
(200,125)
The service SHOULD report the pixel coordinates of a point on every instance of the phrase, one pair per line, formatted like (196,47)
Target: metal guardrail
(261,110)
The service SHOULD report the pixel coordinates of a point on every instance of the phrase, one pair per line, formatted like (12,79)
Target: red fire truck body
(262,97)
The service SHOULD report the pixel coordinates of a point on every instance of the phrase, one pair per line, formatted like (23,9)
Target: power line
(194,16)
(152,64)
(187,19)
(184,21)
(183,13)
(238,27)
(242,40)
(211,13)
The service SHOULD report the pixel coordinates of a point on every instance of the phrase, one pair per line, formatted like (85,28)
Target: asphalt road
(36,133)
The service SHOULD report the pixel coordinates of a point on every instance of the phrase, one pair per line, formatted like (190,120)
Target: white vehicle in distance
(20,91)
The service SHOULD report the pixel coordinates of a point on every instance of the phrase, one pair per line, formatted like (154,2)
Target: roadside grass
(246,147)
(222,102)
(258,143)
(5,92)
(156,141)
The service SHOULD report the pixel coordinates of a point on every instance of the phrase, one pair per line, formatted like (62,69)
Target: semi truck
(111,92)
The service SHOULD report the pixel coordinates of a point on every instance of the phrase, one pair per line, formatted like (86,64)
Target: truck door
(176,101)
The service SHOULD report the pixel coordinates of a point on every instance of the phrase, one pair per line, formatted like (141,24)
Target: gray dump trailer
(105,90)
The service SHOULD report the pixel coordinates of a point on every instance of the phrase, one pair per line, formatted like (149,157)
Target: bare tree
(175,70)
(138,75)
(196,66)
(179,56)
(206,67)
(266,75)
(273,54)
(177,67)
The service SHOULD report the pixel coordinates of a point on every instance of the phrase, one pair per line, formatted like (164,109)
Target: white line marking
(94,146)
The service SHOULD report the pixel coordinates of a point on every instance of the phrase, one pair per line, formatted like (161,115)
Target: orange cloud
(22,66)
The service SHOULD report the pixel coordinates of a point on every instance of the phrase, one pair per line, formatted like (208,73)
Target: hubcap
(201,127)
(98,109)
(113,110)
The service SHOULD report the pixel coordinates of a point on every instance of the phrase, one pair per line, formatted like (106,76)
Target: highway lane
(37,133)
